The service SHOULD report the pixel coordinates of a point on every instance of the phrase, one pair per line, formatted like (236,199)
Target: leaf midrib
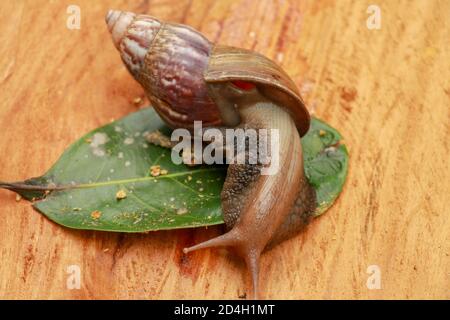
(142,179)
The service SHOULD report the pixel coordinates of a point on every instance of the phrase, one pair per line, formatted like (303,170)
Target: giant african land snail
(188,78)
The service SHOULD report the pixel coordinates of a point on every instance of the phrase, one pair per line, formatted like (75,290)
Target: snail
(187,78)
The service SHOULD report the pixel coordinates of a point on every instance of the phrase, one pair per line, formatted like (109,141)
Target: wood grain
(387,91)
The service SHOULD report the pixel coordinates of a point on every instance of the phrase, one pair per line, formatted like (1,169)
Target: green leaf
(326,163)
(85,181)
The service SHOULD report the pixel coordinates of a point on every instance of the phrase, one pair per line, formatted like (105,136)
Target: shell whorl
(118,22)
(169,61)
(132,35)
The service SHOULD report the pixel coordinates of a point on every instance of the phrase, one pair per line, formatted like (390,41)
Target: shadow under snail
(187,78)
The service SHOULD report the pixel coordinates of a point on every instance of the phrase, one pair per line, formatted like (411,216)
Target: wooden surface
(387,91)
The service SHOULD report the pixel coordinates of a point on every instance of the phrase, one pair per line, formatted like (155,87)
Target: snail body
(187,78)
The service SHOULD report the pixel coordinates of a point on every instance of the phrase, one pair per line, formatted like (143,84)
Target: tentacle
(230,238)
(250,253)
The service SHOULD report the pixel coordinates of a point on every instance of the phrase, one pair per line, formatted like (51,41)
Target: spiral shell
(176,66)
(168,60)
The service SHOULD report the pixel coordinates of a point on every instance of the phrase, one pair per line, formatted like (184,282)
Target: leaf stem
(14,186)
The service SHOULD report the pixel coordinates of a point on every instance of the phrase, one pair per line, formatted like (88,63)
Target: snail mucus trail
(187,79)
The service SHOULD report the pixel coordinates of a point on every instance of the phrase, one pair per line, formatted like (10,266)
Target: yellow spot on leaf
(96,214)
(121,194)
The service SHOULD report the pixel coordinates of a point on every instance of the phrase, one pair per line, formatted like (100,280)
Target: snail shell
(177,66)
